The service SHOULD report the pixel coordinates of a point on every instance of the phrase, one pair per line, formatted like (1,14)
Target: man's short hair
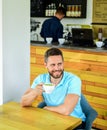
(61,10)
(52,52)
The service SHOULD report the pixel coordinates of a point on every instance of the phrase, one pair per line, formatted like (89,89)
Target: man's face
(54,66)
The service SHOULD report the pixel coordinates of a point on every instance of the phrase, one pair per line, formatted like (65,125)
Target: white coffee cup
(99,43)
(48,87)
(49,40)
(61,40)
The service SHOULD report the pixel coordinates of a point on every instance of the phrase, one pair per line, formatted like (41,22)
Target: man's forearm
(27,99)
(67,107)
(59,109)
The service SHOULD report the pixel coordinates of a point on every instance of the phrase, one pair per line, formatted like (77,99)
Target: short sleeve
(36,81)
(74,86)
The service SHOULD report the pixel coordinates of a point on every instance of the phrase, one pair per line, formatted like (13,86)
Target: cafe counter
(70,46)
(90,64)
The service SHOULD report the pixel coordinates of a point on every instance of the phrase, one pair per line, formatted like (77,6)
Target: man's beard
(56,76)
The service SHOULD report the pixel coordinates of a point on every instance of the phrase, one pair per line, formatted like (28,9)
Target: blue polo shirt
(70,84)
(52,28)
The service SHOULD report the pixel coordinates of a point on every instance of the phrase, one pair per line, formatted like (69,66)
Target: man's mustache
(57,71)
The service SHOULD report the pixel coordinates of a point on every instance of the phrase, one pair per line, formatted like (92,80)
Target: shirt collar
(56,18)
(60,83)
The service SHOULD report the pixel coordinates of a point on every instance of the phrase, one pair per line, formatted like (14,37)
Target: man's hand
(31,94)
(39,89)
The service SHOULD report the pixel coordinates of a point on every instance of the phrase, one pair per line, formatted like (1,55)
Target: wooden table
(15,117)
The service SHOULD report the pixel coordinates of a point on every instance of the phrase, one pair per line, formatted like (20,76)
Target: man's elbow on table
(66,112)
(25,103)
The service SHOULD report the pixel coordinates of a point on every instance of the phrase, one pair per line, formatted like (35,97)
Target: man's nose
(56,67)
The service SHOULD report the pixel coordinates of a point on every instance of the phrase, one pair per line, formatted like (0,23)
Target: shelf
(74,8)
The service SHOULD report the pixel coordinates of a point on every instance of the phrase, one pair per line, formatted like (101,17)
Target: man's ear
(45,64)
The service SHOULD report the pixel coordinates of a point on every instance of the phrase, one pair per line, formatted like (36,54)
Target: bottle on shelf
(60,4)
(73,11)
(100,34)
(76,10)
(79,10)
(50,9)
(47,11)
(54,9)
(68,12)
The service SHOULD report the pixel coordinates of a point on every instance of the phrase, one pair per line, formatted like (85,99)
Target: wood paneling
(91,67)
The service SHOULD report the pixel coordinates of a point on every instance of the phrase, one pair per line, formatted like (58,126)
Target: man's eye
(59,64)
(52,65)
